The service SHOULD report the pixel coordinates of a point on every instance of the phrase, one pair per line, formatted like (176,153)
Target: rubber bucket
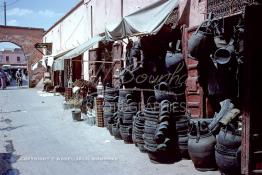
(76,115)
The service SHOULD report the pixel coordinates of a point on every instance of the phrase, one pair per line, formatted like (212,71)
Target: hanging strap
(198,131)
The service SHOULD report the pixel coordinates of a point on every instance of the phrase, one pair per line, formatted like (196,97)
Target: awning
(34,66)
(82,48)
(46,61)
(8,66)
(58,64)
(148,20)
(42,62)
(18,67)
(59,60)
(50,61)
(61,54)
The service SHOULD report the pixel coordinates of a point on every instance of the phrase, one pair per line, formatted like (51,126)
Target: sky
(34,13)
(7,45)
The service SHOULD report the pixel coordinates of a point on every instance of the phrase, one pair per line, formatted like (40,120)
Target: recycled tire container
(126,133)
(183,146)
(68,93)
(116,131)
(228,161)
(229,138)
(228,150)
(76,115)
(201,149)
(99,112)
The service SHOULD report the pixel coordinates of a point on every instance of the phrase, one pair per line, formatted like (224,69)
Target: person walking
(19,79)
(2,79)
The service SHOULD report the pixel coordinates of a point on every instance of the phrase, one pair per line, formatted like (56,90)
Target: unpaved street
(38,137)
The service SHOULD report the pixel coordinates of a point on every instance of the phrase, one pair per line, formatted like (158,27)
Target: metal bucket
(220,42)
(223,55)
(76,115)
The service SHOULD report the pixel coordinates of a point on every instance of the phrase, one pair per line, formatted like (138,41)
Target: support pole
(5,12)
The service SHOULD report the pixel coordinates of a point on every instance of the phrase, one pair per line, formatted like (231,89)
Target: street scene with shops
(38,136)
(130,87)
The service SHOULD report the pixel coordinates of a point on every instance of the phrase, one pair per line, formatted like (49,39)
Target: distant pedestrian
(47,79)
(26,74)
(19,78)
(2,79)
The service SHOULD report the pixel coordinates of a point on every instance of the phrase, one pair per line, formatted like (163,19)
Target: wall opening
(13,59)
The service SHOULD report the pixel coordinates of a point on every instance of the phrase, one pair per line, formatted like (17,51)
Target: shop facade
(97,50)
(86,20)
(235,16)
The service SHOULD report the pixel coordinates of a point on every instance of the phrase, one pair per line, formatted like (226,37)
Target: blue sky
(34,13)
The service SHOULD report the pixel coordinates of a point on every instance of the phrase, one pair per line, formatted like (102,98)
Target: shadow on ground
(16,88)
(10,128)
(7,112)
(13,85)
(7,159)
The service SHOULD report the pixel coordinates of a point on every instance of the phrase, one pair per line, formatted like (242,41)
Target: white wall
(75,29)
(109,11)
(86,65)
(197,11)
(131,6)
(104,12)
(69,33)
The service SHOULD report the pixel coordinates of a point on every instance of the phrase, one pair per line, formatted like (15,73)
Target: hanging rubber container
(200,42)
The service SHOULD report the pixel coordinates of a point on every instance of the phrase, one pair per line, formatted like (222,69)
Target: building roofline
(21,27)
(66,15)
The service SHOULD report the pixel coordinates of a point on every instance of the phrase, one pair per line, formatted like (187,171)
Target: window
(1,58)
(18,59)
(7,58)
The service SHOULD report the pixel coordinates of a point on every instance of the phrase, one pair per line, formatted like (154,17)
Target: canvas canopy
(82,48)
(58,62)
(148,20)
(34,66)
(45,61)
